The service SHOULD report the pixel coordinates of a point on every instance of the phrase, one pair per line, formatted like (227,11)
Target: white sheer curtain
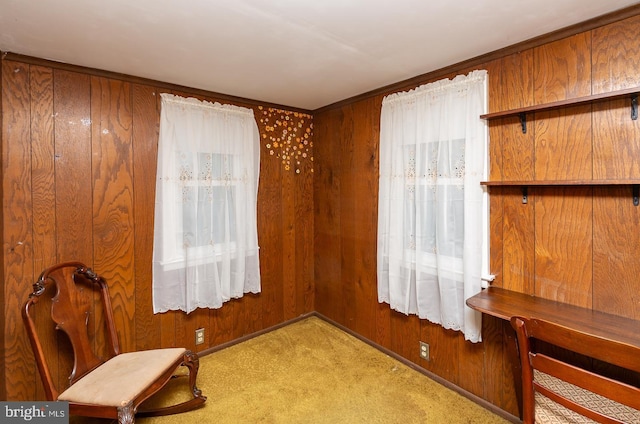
(432,208)
(205,231)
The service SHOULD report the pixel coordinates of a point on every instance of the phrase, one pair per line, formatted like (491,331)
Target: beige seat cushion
(550,412)
(122,378)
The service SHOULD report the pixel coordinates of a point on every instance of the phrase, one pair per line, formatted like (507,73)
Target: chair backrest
(71,289)
(579,389)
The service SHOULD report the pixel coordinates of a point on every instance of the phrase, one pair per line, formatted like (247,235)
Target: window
(205,237)
(431,210)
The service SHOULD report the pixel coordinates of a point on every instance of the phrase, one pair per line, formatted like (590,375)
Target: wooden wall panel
(270,233)
(43,196)
(616,56)
(366,124)
(516,85)
(43,167)
(348,200)
(146,125)
(563,149)
(616,243)
(516,159)
(73,194)
(562,69)
(615,141)
(327,239)
(17,225)
(303,205)
(72,104)
(518,243)
(113,215)
(563,245)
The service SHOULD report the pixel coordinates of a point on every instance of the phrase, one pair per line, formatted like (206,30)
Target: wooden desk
(504,304)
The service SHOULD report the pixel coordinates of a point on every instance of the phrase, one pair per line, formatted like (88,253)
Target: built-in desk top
(504,304)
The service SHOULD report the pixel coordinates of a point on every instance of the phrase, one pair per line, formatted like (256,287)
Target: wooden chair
(555,391)
(109,387)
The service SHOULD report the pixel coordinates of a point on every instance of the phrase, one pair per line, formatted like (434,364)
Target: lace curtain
(432,209)
(205,231)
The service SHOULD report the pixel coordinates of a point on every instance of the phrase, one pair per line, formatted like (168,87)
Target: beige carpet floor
(312,372)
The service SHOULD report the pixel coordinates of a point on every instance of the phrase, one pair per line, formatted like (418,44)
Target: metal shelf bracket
(636,195)
(634,107)
(523,121)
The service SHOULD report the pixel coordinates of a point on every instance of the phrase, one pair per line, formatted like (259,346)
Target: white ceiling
(298,53)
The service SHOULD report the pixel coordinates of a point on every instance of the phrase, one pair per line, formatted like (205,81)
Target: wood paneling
(558,245)
(616,243)
(563,144)
(562,69)
(615,141)
(146,124)
(616,56)
(79,159)
(17,225)
(563,245)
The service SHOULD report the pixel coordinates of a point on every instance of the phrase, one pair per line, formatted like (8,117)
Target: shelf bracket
(634,107)
(525,195)
(523,121)
(636,195)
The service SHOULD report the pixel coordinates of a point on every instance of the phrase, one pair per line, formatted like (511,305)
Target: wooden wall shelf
(631,93)
(634,183)
(562,183)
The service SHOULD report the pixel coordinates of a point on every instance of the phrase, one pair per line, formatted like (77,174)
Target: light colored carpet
(312,372)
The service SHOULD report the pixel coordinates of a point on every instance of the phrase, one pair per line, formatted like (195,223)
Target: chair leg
(126,414)
(192,362)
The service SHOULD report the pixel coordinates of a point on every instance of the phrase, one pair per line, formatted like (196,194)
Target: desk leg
(513,357)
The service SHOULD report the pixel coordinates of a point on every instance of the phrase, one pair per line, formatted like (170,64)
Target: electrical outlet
(424,350)
(199,336)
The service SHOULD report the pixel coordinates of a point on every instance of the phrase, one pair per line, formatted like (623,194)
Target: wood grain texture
(365,216)
(616,56)
(615,141)
(517,250)
(73,200)
(145,129)
(562,69)
(17,226)
(270,234)
(327,244)
(516,82)
(564,245)
(113,219)
(303,206)
(287,254)
(517,160)
(563,144)
(616,240)
(348,200)
(43,183)
(72,104)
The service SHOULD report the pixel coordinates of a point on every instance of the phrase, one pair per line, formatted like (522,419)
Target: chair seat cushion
(119,380)
(550,412)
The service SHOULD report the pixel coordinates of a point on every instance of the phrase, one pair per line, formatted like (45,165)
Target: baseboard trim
(255,334)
